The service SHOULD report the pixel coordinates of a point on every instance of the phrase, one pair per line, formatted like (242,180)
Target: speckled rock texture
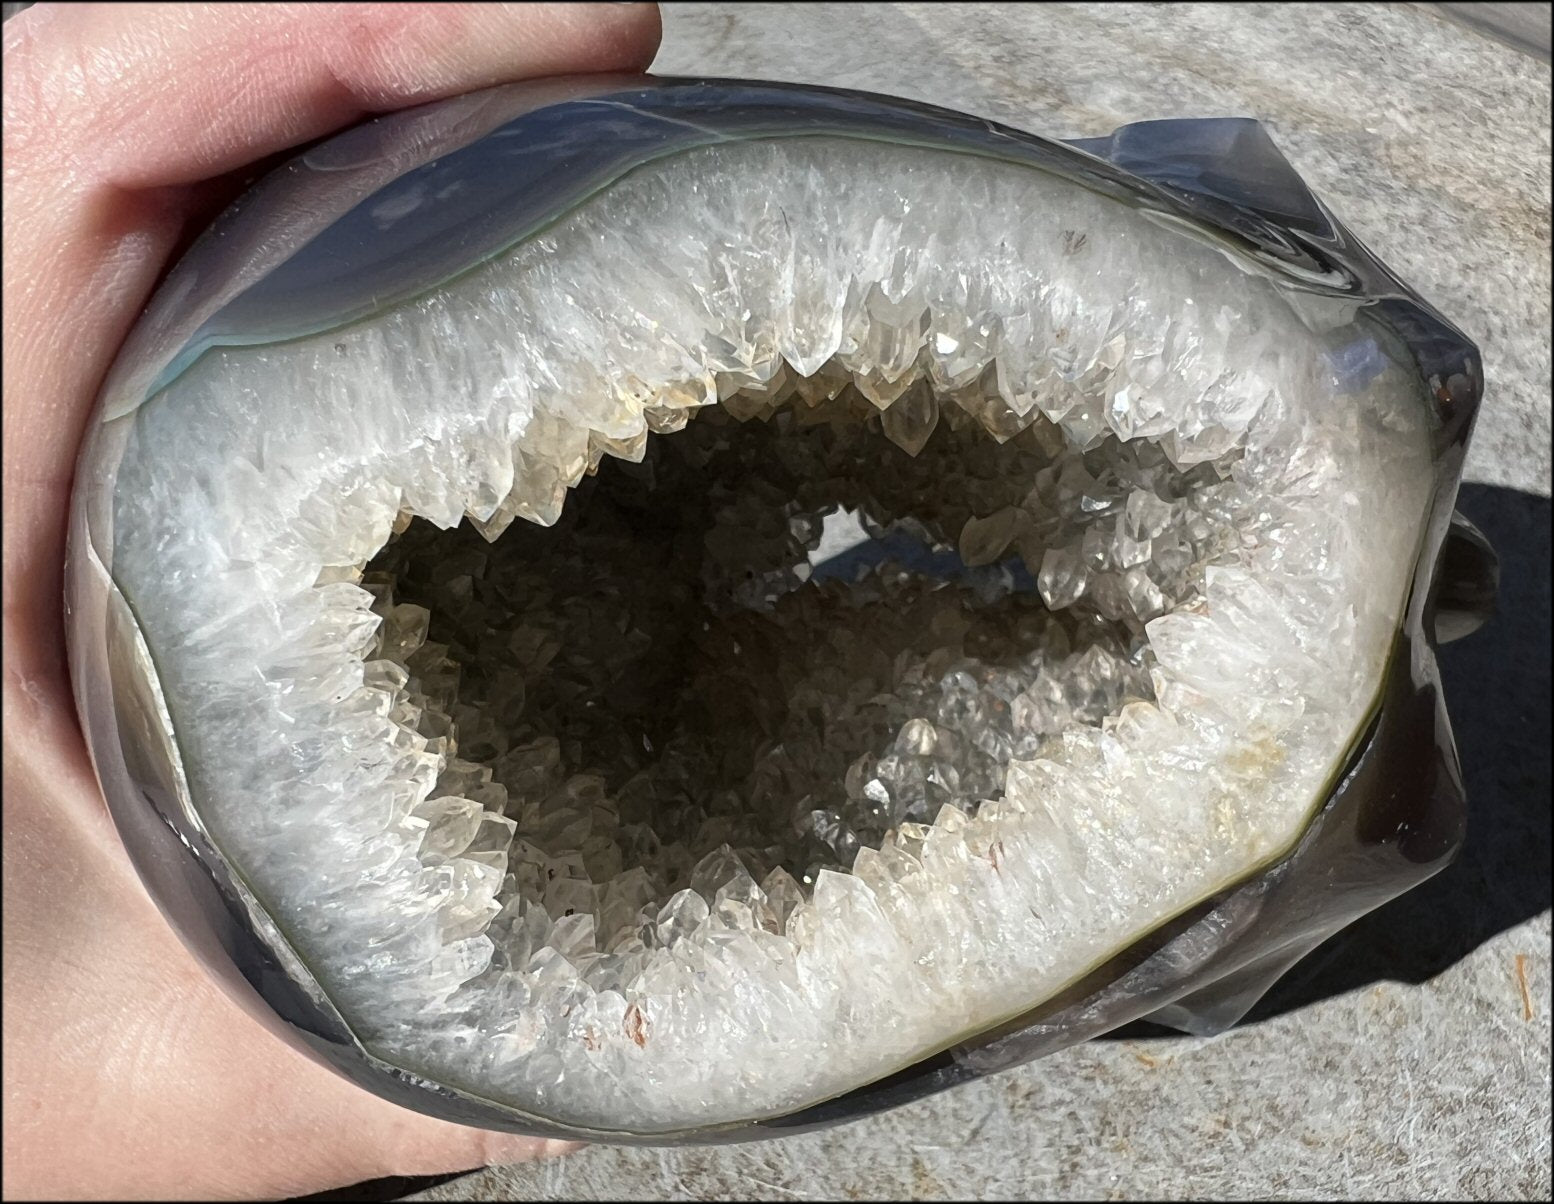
(1409,1057)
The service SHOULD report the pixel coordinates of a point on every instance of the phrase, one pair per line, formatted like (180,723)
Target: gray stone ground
(1401,1060)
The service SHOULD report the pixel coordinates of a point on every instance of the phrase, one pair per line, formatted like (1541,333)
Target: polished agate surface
(668,602)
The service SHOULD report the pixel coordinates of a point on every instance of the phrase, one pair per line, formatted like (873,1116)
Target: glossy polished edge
(526,153)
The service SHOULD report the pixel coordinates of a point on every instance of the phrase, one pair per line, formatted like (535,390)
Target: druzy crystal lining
(681,680)
(1168,486)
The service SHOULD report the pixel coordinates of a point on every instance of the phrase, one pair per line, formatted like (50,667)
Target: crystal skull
(659,609)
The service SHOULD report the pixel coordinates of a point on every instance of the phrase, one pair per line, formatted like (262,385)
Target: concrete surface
(1525,26)
(1409,1057)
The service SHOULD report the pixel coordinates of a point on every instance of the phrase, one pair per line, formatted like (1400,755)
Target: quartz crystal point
(676,609)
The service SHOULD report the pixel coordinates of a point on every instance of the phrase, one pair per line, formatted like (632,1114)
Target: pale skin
(128,1072)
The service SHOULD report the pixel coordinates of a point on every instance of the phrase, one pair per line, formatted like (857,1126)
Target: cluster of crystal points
(656,819)
(729,702)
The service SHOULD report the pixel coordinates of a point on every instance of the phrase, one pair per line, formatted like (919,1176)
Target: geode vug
(662,607)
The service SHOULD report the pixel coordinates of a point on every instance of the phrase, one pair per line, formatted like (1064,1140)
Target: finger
(254,78)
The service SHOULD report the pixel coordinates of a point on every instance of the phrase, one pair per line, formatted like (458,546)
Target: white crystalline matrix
(657,818)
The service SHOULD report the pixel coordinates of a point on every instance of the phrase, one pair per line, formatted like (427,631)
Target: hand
(127,1071)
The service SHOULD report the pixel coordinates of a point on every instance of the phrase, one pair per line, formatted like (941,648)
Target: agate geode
(651,607)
